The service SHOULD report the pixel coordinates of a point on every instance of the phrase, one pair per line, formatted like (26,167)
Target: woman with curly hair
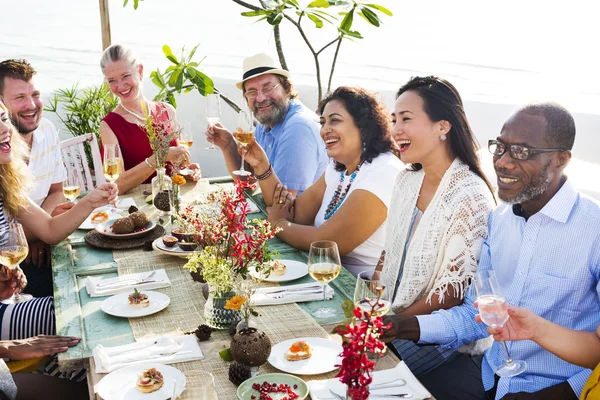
(349,202)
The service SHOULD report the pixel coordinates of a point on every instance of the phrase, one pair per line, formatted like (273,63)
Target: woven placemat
(185,313)
(96,239)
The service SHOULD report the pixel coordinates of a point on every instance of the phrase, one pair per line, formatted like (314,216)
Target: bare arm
(54,198)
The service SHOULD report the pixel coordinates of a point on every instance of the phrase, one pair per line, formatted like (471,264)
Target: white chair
(74,157)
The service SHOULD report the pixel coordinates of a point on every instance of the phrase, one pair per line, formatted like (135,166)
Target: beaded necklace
(338,196)
(138,116)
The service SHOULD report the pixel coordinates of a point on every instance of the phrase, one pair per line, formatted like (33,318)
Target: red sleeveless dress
(134,144)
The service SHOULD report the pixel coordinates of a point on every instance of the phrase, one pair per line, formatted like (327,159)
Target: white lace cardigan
(446,244)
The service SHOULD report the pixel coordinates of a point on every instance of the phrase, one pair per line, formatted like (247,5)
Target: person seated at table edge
(349,202)
(288,130)
(438,216)
(530,246)
(124,125)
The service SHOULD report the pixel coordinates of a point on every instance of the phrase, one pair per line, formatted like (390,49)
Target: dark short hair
(561,125)
(15,69)
(370,116)
(442,102)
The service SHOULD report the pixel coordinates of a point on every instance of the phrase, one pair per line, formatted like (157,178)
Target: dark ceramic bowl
(188,246)
(189,237)
(169,240)
(178,233)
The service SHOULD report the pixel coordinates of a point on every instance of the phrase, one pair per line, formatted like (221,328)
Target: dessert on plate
(99,217)
(300,350)
(150,380)
(278,268)
(138,299)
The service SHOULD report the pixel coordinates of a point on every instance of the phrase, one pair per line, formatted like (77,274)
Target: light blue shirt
(549,264)
(295,148)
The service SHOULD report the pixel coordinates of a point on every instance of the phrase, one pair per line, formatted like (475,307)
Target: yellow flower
(178,180)
(235,303)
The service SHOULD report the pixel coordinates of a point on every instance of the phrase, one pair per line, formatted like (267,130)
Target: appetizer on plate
(150,380)
(278,268)
(299,350)
(99,217)
(138,299)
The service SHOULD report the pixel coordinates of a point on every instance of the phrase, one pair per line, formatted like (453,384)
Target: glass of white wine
(371,294)
(213,112)
(244,134)
(113,162)
(71,186)
(493,310)
(186,139)
(13,250)
(324,265)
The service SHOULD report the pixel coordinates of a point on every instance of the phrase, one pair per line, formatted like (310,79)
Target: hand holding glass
(244,134)
(493,310)
(213,112)
(13,250)
(324,265)
(366,292)
(186,139)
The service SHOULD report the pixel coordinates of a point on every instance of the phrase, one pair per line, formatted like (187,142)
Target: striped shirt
(549,264)
(45,162)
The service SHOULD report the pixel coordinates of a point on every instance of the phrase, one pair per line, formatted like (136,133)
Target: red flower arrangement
(360,339)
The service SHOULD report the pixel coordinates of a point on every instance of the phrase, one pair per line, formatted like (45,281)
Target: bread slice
(300,350)
(138,299)
(278,268)
(150,380)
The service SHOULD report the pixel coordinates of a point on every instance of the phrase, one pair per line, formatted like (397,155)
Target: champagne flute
(244,134)
(71,186)
(113,163)
(324,265)
(493,310)
(13,250)
(186,139)
(368,284)
(213,112)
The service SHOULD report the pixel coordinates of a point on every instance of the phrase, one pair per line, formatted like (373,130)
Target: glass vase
(175,203)
(161,191)
(215,314)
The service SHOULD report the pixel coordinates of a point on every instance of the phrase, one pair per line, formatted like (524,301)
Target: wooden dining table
(78,314)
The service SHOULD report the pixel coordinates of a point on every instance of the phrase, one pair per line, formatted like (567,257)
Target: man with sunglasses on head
(288,130)
(544,246)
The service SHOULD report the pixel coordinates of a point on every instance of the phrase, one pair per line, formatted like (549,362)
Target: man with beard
(288,130)
(20,94)
(544,246)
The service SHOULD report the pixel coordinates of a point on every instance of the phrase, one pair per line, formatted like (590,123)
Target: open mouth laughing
(5,146)
(404,145)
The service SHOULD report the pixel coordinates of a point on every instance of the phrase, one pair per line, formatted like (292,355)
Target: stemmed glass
(71,186)
(213,112)
(493,310)
(324,265)
(13,250)
(368,284)
(244,134)
(113,163)
(186,139)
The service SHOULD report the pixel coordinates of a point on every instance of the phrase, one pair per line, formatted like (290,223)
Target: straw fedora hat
(260,64)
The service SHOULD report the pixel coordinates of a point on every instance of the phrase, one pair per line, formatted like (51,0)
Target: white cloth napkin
(123,283)
(288,294)
(319,390)
(165,350)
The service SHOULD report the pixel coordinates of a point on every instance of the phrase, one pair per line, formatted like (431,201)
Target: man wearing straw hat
(288,130)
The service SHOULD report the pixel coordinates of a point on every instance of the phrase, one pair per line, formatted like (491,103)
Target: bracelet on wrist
(148,163)
(280,220)
(267,174)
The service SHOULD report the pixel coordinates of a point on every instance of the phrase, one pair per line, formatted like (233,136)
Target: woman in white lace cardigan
(440,205)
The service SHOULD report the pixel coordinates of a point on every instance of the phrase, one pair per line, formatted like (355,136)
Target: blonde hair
(15,176)
(117,52)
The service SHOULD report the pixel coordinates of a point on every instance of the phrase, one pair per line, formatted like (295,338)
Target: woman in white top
(439,211)
(349,202)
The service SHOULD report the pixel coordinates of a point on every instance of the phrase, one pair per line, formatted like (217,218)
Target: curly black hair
(370,116)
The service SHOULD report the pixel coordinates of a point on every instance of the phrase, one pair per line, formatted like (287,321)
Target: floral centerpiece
(360,339)
(231,245)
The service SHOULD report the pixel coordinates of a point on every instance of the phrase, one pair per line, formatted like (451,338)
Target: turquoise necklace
(338,196)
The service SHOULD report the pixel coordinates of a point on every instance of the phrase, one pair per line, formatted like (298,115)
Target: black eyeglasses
(516,151)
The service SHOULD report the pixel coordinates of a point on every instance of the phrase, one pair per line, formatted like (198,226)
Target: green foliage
(183,75)
(82,111)
(136,3)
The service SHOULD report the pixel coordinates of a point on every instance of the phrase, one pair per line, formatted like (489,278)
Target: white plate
(118,305)
(121,211)
(106,230)
(325,354)
(294,270)
(121,384)
(159,246)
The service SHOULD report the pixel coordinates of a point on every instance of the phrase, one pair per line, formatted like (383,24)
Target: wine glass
(186,139)
(244,134)
(204,385)
(370,287)
(13,250)
(113,163)
(493,310)
(213,112)
(71,186)
(324,265)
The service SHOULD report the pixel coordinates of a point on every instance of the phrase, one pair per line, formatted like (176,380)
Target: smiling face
(527,181)
(24,101)
(269,109)
(340,134)
(124,80)
(6,129)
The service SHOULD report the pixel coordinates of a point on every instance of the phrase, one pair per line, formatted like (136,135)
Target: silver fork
(282,295)
(127,281)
